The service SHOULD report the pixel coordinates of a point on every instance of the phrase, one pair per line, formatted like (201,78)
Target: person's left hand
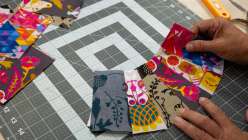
(200,127)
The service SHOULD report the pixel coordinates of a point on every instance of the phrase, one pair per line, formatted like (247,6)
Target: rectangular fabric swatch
(207,68)
(206,80)
(29,25)
(63,13)
(143,113)
(109,106)
(165,98)
(187,91)
(15,74)
(5,13)
(60,8)
(20,32)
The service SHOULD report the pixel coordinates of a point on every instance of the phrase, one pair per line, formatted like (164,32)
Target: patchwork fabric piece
(109,106)
(5,13)
(15,74)
(136,89)
(21,32)
(62,22)
(8,42)
(165,98)
(204,70)
(33,23)
(174,80)
(63,13)
(185,90)
(144,115)
(175,44)
(8,36)
(59,8)
(207,80)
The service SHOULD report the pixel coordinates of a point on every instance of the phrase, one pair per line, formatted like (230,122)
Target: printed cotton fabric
(63,13)
(15,74)
(5,14)
(203,69)
(143,114)
(186,91)
(206,80)
(109,107)
(165,98)
(20,32)
(60,8)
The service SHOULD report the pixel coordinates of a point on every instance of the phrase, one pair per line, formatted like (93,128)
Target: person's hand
(200,127)
(227,41)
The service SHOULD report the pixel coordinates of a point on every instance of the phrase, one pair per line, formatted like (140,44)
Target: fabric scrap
(8,42)
(144,115)
(15,74)
(5,14)
(20,32)
(185,90)
(109,107)
(165,98)
(175,43)
(59,8)
(206,80)
(62,13)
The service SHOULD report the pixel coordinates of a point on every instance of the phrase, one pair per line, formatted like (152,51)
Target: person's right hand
(227,41)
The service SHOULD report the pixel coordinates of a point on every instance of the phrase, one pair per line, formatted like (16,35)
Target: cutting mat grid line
(116,34)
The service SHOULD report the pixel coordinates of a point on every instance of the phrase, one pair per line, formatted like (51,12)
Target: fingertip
(178,120)
(181,110)
(189,47)
(194,29)
(202,100)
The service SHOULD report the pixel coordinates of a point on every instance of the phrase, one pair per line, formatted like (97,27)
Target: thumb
(201,46)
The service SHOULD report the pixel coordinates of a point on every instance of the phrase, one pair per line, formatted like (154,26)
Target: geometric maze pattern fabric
(109,34)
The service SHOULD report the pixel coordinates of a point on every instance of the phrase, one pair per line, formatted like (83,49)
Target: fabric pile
(146,99)
(20,62)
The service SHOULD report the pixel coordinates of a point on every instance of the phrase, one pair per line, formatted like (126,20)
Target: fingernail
(181,110)
(202,99)
(177,119)
(189,46)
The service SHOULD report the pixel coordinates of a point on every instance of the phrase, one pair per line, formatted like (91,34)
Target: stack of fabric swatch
(146,99)
(20,62)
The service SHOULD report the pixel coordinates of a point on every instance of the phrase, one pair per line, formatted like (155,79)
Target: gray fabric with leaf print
(109,106)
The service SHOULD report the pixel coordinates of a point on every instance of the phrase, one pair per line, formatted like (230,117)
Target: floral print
(15,74)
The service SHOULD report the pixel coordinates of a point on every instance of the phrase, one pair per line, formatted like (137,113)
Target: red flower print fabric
(15,74)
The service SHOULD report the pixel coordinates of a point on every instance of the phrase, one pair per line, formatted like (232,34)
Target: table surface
(200,9)
(109,34)
(197,7)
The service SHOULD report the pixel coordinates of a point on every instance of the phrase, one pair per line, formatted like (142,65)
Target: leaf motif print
(117,110)
(15,83)
(6,64)
(95,112)
(103,125)
(99,81)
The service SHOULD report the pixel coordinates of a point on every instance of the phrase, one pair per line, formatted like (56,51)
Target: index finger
(191,130)
(208,26)
(202,26)
(215,112)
